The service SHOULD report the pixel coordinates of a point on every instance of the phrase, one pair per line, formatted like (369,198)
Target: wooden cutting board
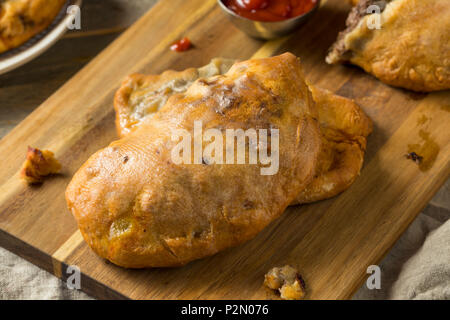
(332,242)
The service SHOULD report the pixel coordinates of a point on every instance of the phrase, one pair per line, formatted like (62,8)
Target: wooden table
(24,89)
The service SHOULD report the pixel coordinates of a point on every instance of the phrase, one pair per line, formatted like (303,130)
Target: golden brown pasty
(20,20)
(343,124)
(137,208)
(411,49)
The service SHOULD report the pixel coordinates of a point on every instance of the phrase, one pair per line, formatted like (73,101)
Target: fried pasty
(344,126)
(20,20)
(137,208)
(411,49)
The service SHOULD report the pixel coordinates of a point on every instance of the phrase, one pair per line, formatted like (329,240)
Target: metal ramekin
(267,30)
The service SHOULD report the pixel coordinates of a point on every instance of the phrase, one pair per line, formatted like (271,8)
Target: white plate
(37,45)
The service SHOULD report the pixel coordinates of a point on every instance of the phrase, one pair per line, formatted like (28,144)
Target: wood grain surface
(332,242)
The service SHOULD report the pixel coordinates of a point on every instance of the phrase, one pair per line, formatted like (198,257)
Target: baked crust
(345,129)
(343,124)
(136,208)
(20,20)
(411,50)
(140,95)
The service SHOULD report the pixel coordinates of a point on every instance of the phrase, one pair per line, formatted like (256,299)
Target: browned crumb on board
(287,281)
(39,164)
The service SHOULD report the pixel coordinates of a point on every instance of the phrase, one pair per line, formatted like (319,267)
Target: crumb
(287,281)
(414,157)
(38,165)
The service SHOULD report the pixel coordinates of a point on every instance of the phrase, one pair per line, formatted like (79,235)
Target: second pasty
(20,20)
(411,49)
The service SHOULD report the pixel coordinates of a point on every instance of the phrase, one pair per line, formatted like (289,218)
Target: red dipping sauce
(270,10)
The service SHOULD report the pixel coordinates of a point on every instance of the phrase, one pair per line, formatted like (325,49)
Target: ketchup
(181,45)
(270,10)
